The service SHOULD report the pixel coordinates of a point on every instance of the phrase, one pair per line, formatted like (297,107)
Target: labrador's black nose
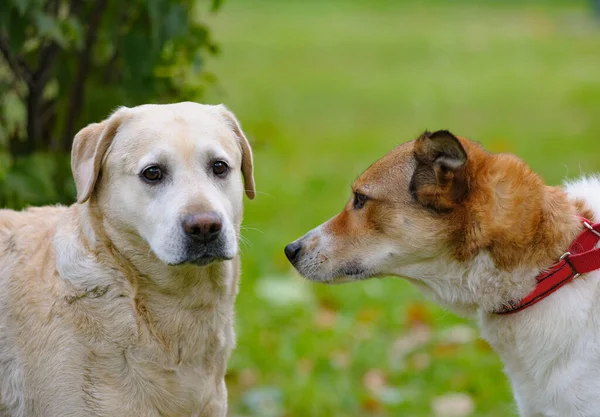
(292,251)
(203,227)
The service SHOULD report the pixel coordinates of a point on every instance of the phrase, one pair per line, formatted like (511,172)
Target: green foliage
(35,179)
(66,63)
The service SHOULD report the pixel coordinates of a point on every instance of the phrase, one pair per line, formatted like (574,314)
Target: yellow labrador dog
(122,304)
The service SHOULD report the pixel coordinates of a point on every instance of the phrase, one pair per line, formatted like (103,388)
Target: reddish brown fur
(495,203)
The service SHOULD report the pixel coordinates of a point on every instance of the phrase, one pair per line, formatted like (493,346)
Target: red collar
(580,258)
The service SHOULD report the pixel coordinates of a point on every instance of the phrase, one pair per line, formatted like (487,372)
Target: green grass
(325,88)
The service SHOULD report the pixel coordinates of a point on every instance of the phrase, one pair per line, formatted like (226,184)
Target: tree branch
(16,64)
(78,89)
(39,79)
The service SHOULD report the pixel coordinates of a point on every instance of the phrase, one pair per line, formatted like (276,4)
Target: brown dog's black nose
(203,227)
(292,251)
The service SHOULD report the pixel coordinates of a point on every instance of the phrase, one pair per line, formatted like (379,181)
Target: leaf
(37,179)
(325,318)
(73,31)
(16,26)
(460,334)
(13,111)
(155,8)
(371,405)
(442,350)
(417,314)
(284,291)
(374,380)
(216,5)
(5,163)
(139,56)
(420,361)
(368,315)
(305,366)
(390,396)
(405,345)
(339,359)
(453,405)
(247,377)
(49,27)
(21,6)
(264,401)
(175,22)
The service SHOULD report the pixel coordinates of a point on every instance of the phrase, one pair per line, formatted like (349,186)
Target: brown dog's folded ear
(247,160)
(89,148)
(441,148)
(439,181)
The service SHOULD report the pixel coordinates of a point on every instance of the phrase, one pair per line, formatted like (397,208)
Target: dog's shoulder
(585,192)
(24,231)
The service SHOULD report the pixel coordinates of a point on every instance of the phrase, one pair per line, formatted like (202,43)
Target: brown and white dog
(473,230)
(122,304)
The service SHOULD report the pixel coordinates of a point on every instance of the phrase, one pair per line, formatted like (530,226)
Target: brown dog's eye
(220,168)
(152,174)
(359,200)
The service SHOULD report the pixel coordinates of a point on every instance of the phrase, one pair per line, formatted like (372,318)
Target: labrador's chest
(174,366)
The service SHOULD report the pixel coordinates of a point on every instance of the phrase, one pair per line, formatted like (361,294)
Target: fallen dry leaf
(374,380)
(453,405)
(445,350)
(368,315)
(305,366)
(417,314)
(421,361)
(247,377)
(460,334)
(372,405)
(339,359)
(408,343)
(325,318)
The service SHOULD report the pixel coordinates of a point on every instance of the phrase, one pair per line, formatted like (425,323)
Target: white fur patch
(552,350)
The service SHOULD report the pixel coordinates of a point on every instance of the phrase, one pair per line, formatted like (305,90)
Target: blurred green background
(324,88)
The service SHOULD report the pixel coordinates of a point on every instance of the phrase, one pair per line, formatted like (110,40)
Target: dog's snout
(292,251)
(203,227)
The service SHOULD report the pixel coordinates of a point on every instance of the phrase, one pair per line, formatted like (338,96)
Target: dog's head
(168,178)
(438,210)
(398,213)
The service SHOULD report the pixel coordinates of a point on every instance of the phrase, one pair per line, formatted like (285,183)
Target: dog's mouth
(208,259)
(204,256)
(352,269)
(350,272)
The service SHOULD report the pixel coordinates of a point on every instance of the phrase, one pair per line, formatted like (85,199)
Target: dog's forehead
(182,125)
(397,166)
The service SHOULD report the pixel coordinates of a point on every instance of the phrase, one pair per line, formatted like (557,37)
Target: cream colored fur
(100,312)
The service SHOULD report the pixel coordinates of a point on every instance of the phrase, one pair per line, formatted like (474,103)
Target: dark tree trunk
(78,89)
(34,121)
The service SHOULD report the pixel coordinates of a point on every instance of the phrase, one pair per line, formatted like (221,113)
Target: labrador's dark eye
(220,168)
(152,174)
(359,200)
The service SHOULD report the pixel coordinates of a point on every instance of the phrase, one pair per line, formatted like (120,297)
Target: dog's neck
(169,301)
(514,228)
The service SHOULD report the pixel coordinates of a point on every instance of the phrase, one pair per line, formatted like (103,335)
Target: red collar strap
(580,258)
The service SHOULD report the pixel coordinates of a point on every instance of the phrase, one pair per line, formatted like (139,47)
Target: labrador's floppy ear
(89,148)
(439,181)
(247,160)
